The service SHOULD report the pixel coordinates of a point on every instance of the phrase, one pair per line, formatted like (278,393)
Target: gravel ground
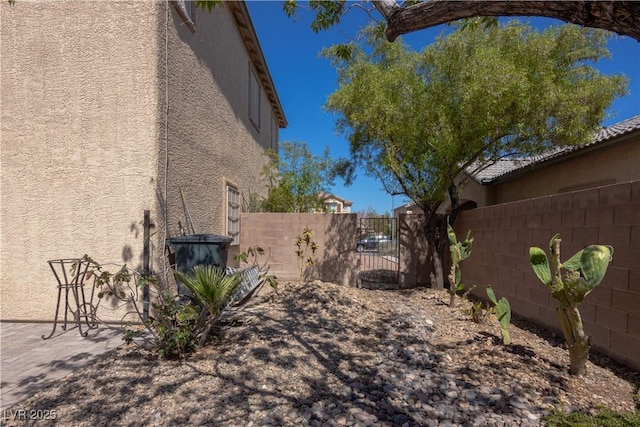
(322,355)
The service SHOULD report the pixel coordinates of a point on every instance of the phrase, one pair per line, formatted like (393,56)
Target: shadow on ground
(303,359)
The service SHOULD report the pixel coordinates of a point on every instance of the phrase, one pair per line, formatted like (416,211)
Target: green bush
(605,417)
(176,326)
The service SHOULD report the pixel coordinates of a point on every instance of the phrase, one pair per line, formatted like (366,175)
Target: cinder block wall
(276,233)
(604,215)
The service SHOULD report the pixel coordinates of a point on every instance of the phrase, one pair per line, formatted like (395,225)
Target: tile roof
(486,172)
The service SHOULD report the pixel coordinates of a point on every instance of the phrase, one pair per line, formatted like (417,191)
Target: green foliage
(327,13)
(208,5)
(213,289)
(176,325)
(498,89)
(416,120)
(502,311)
(211,286)
(305,252)
(297,179)
(540,265)
(171,330)
(603,417)
(582,272)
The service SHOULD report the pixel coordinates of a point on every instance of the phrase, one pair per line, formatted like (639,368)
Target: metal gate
(377,247)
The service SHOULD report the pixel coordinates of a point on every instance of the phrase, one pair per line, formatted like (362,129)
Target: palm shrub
(569,283)
(213,288)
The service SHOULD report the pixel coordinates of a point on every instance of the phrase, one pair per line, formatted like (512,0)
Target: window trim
(231,231)
(275,130)
(254,98)
(187,11)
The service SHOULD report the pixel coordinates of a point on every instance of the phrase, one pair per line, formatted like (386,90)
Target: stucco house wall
(212,141)
(109,109)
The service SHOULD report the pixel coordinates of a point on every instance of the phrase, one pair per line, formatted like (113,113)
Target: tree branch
(622,17)
(386,7)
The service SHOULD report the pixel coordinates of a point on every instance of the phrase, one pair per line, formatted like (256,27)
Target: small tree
(297,179)
(417,120)
(305,252)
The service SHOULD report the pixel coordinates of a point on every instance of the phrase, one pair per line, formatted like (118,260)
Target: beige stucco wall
(79,130)
(211,140)
(472,190)
(108,109)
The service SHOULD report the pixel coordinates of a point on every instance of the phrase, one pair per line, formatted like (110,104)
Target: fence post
(145,264)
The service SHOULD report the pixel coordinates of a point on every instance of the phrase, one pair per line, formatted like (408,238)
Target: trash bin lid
(199,238)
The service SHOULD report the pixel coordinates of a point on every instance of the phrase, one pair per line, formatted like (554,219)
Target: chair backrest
(69,271)
(250,281)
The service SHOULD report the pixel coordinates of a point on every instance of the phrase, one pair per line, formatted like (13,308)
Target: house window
(233,214)
(254,99)
(187,11)
(274,134)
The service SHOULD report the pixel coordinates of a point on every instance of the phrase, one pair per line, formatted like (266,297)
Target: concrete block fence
(276,233)
(605,215)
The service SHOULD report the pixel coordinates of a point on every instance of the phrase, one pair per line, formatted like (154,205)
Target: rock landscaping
(317,354)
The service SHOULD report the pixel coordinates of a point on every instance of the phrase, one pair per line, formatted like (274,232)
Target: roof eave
(250,39)
(509,176)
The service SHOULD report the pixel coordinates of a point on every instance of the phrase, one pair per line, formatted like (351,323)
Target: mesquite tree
(416,120)
(402,17)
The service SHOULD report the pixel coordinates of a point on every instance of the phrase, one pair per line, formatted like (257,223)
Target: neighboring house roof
(250,39)
(329,196)
(488,172)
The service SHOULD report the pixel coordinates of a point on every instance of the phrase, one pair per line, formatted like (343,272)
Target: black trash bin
(195,249)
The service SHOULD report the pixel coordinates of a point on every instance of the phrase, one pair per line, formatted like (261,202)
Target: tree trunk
(435,246)
(452,286)
(622,17)
(438,272)
(578,342)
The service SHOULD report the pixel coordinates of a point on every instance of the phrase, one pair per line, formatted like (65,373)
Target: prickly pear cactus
(570,282)
(593,264)
(502,310)
(459,252)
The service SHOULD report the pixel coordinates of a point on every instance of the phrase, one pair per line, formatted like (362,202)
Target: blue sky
(304,80)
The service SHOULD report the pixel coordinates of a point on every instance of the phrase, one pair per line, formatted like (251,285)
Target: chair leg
(55,319)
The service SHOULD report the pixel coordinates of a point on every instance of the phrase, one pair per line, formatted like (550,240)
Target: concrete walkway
(28,363)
